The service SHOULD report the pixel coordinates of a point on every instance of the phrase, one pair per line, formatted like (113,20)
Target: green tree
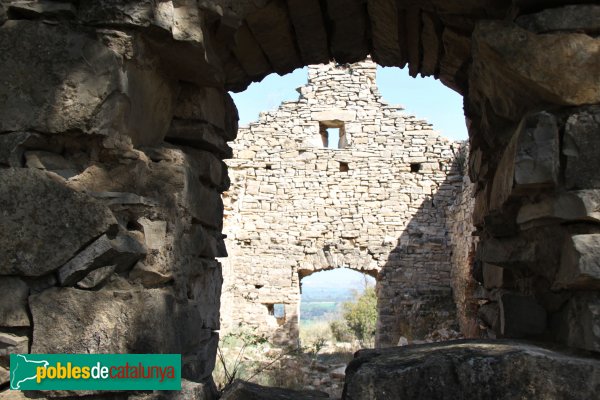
(361,316)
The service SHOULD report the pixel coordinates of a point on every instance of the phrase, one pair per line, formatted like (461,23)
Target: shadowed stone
(580,263)
(13,302)
(37,240)
(521,316)
(121,252)
(241,390)
(470,370)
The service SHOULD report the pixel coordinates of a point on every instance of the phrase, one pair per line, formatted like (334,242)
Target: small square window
(415,167)
(344,167)
(333,134)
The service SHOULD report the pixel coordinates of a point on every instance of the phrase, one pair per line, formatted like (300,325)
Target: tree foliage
(361,316)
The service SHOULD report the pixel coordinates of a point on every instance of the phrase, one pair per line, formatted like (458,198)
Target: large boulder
(471,369)
(44,223)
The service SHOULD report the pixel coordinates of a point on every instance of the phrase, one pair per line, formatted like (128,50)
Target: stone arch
(130,97)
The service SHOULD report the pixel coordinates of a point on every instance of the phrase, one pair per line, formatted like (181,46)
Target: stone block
(470,370)
(199,135)
(334,115)
(577,18)
(530,161)
(579,264)
(512,71)
(509,252)
(122,252)
(494,276)
(44,223)
(580,322)
(124,320)
(581,205)
(112,98)
(204,203)
(11,343)
(13,302)
(580,141)
(521,316)
(96,277)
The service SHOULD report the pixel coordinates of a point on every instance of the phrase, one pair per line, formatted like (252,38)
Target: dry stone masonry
(115,118)
(373,200)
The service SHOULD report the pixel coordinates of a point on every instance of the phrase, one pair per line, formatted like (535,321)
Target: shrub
(361,316)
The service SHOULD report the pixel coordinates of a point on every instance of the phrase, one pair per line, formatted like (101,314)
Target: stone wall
(376,205)
(92,87)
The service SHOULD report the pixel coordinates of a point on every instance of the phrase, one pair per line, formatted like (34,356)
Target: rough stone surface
(471,370)
(122,252)
(580,263)
(521,316)
(579,18)
(298,205)
(241,390)
(13,302)
(580,140)
(37,243)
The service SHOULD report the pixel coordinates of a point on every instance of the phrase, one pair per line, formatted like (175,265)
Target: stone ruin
(375,201)
(114,123)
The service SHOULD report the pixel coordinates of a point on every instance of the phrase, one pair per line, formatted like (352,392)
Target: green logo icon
(95,371)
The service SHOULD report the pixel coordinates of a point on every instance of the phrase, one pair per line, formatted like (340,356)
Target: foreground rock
(471,369)
(241,390)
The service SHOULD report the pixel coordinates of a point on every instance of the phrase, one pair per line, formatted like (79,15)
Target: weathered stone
(4,376)
(13,302)
(127,100)
(47,9)
(530,161)
(155,233)
(13,145)
(494,276)
(580,321)
(271,27)
(38,240)
(204,203)
(311,34)
(457,51)
(134,13)
(51,162)
(124,198)
(581,205)
(385,27)
(509,252)
(515,69)
(241,390)
(149,275)
(470,369)
(431,43)
(64,80)
(580,263)
(96,277)
(521,316)
(201,104)
(334,115)
(121,252)
(249,53)
(349,24)
(489,313)
(578,18)
(198,135)
(580,140)
(119,321)
(11,343)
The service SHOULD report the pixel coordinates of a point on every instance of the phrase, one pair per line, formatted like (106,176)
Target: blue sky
(426,98)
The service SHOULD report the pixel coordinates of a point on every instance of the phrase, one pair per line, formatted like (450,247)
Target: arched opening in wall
(377,195)
(339,308)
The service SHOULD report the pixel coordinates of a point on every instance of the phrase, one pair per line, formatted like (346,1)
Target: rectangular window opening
(415,167)
(344,167)
(333,135)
